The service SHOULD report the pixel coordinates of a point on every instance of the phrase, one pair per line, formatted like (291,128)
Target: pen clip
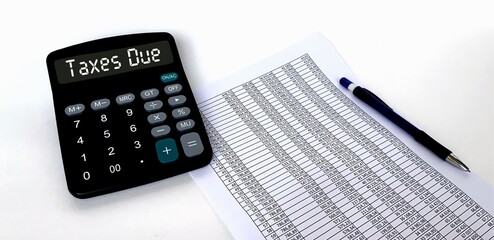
(380,100)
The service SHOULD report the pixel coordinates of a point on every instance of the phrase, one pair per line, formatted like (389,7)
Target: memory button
(100,104)
(125,99)
(74,110)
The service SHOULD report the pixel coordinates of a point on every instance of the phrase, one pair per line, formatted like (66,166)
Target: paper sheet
(297,158)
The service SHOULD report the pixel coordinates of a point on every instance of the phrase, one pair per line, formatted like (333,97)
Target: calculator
(125,113)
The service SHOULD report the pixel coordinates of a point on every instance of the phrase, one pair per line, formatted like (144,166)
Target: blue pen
(420,136)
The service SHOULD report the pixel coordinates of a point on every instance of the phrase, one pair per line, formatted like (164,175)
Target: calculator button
(100,104)
(153,106)
(125,99)
(180,112)
(160,131)
(169,77)
(176,100)
(74,110)
(172,89)
(149,94)
(167,150)
(191,143)
(156,118)
(185,125)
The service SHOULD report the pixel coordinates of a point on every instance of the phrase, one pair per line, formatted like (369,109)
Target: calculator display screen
(111,62)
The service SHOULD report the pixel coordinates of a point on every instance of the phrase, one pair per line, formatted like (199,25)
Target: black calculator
(125,113)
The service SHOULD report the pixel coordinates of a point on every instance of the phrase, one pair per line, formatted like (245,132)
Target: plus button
(167,150)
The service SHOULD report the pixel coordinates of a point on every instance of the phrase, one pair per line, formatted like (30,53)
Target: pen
(420,136)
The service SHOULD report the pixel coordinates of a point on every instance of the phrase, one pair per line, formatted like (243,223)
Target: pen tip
(345,82)
(453,159)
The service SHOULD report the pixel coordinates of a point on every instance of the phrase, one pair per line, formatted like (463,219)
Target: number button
(86,175)
(103,118)
(77,122)
(137,144)
(133,128)
(129,112)
(106,134)
(115,168)
(111,151)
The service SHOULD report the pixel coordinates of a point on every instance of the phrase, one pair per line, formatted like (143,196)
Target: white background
(433,61)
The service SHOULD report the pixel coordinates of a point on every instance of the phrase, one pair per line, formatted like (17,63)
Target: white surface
(432,61)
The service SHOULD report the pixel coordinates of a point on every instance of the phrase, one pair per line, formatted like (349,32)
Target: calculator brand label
(169,77)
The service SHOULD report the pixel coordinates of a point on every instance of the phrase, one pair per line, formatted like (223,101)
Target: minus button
(160,131)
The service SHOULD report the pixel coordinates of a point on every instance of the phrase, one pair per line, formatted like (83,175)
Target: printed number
(115,168)
(137,144)
(106,133)
(133,128)
(77,123)
(104,118)
(129,112)
(86,175)
(80,141)
(111,151)
(83,156)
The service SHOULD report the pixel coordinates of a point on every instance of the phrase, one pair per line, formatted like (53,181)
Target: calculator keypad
(116,150)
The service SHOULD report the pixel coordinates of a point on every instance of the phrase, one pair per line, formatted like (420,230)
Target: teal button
(166,150)
(169,77)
